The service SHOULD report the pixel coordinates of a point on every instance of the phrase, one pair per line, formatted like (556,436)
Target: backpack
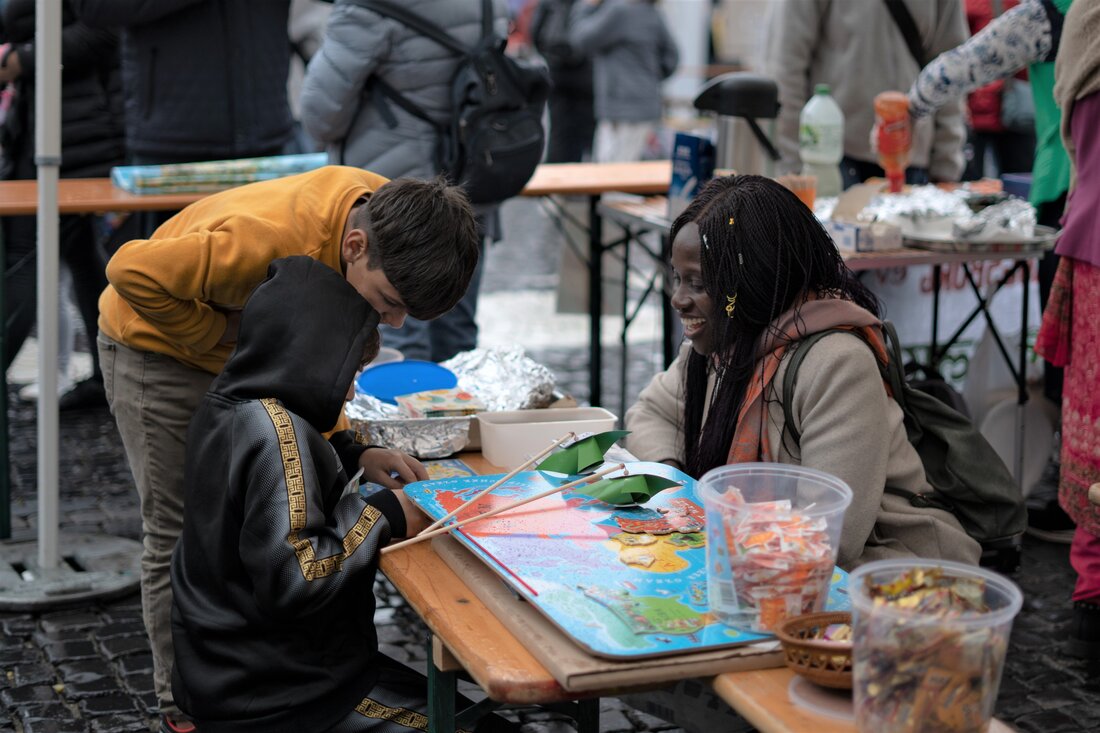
(494,139)
(967,476)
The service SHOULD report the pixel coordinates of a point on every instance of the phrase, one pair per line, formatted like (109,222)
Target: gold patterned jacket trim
(296,501)
(369,708)
(402,716)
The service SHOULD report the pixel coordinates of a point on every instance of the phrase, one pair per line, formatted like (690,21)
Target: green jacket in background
(1050,173)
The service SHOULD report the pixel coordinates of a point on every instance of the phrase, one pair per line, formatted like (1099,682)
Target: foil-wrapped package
(380,423)
(502,379)
(931,213)
(922,211)
(1012,219)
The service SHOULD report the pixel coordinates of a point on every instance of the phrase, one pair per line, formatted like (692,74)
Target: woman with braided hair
(754,273)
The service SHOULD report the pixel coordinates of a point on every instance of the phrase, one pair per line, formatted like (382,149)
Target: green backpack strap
(891,373)
(790,379)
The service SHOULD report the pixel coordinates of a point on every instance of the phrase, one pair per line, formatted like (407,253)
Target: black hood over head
(301,341)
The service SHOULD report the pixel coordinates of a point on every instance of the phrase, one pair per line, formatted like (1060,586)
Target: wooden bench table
(760,696)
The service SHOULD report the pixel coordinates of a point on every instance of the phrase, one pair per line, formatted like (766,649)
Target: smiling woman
(754,274)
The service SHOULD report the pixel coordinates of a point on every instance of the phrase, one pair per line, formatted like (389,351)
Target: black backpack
(494,139)
(967,476)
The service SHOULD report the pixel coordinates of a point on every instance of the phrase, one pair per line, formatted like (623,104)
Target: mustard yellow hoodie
(168,294)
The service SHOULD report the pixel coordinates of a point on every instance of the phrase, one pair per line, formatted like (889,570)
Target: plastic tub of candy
(773,531)
(929,642)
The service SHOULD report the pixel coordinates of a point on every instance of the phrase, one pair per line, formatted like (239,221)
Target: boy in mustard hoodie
(169,319)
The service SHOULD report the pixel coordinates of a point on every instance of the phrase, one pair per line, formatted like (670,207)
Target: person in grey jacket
(632,53)
(754,272)
(342,109)
(857,49)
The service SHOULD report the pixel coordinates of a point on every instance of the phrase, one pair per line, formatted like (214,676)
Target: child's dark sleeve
(297,556)
(348,449)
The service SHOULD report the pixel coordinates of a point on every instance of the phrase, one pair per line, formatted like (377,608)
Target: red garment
(1084,556)
(985,103)
(1081,402)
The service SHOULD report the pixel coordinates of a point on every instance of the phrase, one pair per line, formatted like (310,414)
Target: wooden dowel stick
(493,512)
(511,474)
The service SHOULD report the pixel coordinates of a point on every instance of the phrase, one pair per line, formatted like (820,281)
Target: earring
(731,304)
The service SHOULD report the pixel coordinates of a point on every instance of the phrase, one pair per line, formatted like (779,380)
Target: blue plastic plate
(386,381)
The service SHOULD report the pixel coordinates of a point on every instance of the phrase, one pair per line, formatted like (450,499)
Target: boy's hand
(379,463)
(416,521)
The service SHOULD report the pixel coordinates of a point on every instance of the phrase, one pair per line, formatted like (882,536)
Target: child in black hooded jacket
(273,575)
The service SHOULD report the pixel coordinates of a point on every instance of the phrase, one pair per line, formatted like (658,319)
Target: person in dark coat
(203,79)
(273,575)
(572,112)
(91,142)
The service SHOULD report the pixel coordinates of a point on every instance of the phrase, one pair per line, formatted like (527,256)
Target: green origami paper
(634,489)
(583,454)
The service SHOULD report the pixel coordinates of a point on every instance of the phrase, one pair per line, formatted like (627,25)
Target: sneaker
(29,392)
(1046,520)
(176,724)
(1084,637)
(86,395)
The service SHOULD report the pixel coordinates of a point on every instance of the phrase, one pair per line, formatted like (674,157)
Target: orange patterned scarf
(750,438)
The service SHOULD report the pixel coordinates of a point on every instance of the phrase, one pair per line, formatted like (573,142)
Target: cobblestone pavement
(89,669)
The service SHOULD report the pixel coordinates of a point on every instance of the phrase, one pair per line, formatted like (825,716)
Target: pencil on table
(511,474)
(493,512)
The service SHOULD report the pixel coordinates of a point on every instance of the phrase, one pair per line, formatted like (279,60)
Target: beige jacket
(850,428)
(855,47)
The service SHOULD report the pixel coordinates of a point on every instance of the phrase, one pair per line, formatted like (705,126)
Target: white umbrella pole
(47,135)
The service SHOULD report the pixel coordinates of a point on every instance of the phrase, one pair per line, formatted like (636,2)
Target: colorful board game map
(621,581)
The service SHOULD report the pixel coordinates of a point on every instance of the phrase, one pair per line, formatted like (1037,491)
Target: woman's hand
(380,464)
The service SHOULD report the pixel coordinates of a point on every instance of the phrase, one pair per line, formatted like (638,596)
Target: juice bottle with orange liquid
(894,136)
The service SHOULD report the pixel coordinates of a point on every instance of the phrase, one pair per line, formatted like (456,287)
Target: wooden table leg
(585,712)
(442,689)
(588,715)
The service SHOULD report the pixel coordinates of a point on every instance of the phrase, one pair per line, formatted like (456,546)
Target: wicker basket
(827,663)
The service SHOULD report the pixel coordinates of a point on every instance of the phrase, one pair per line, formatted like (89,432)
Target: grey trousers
(152,398)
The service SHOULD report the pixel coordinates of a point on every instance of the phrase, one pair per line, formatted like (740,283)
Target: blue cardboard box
(692,166)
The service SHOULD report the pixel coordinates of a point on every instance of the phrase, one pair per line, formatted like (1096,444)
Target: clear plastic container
(821,140)
(773,531)
(917,671)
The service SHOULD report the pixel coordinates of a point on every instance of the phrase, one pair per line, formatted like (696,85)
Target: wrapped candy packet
(772,536)
(929,649)
(781,561)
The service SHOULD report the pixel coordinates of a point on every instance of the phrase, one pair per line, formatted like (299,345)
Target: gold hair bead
(731,304)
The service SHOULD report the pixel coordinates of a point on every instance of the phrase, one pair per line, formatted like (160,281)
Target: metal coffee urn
(746,105)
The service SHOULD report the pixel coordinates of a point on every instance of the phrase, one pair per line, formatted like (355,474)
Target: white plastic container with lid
(821,140)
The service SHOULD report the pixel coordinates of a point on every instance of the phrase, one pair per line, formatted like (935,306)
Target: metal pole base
(92,567)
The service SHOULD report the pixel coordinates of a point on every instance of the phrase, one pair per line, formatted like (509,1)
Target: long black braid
(760,244)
